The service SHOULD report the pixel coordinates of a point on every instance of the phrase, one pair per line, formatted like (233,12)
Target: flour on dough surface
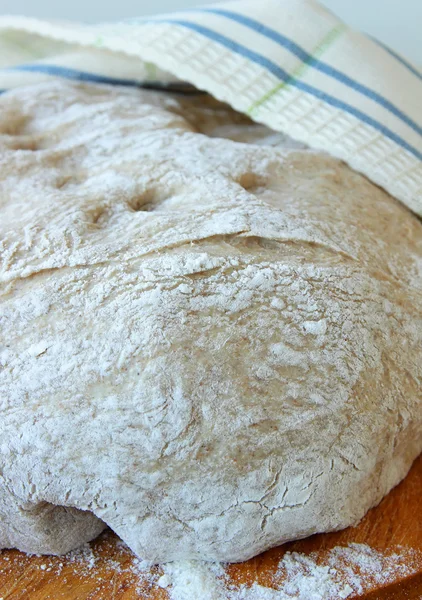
(211,344)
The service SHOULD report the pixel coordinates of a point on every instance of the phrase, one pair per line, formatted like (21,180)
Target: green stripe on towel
(325,43)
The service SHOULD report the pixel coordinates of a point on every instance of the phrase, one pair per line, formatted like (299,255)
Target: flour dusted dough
(211,346)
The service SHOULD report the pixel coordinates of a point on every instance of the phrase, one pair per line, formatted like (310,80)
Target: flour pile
(108,566)
(343,573)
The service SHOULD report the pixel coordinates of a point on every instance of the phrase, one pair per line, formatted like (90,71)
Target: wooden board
(107,569)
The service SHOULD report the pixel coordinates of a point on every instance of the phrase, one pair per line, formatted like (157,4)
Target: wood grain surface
(107,570)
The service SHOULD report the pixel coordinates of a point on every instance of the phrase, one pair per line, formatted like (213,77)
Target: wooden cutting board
(106,569)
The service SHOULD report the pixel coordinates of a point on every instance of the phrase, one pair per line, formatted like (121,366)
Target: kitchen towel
(290,64)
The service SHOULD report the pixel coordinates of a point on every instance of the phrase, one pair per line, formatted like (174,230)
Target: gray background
(397,23)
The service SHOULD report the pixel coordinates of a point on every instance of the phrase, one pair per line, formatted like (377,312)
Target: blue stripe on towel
(401,60)
(284,76)
(314,62)
(84,76)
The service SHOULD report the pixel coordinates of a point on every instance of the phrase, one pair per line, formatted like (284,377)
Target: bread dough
(213,347)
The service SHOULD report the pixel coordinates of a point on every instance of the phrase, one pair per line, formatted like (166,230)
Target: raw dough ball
(213,347)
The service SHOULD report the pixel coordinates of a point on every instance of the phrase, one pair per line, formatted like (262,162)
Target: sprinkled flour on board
(108,564)
(343,573)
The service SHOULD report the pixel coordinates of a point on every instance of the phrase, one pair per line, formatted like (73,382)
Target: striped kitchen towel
(290,64)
